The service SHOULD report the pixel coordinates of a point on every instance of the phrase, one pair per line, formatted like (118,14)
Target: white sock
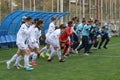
(19,58)
(26,60)
(52,54)
(13,58)
(50,49)
(47,50)
(43,49)
(59,54)
(31,54)
(34,57)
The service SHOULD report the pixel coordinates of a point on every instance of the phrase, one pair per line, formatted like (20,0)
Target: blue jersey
(96,29)
(75,26)
(103,33)
(107,28)
(86,30)
(79,28)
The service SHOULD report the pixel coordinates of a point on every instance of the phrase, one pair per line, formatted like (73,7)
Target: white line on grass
(108,56)
(3,61)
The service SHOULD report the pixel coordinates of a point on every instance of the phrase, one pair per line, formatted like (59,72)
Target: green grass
(101,65)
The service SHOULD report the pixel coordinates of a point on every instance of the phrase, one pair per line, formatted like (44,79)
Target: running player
(53,40)
(22,37)
(51,29)
(34,40)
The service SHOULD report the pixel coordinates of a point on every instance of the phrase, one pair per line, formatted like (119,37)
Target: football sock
(34,57)
(26,60)
(13,58)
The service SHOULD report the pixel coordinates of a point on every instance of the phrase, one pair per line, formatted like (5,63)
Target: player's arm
(69,32)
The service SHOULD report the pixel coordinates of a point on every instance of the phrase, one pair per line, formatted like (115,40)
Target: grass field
(101,65)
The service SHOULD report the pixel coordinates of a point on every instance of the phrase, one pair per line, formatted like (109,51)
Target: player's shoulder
(23,25)
(52,24)
(94,25)
(85,25)
(57,30)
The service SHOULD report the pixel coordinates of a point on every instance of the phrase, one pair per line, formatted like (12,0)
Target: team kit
(61,40)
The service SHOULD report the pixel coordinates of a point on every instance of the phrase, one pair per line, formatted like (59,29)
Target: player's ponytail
(38,24)
(36,20)
(53,18)
(62,26)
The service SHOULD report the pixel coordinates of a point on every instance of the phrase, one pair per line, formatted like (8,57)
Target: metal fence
(104,10)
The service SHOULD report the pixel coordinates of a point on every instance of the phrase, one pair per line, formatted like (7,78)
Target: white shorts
(22,46)
(34,45)
(53,42)
(47,40)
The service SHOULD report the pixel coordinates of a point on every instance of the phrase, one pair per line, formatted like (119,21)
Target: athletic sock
(52,54)
(26,60)
(19,58)
(43,50)
(31,54)
(65,51)
(34,57)
(59,54)
(13,58)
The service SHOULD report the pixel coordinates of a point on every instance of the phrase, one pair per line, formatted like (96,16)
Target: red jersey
(64,36)
(69,30)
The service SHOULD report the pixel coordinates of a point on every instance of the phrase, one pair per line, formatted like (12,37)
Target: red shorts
(63,44)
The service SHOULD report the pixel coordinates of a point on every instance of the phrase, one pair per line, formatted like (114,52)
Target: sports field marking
(3,61)
(107,56)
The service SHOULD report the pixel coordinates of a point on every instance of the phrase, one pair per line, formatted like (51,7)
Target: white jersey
(53,38)
(23,33)
(51,28)
(35,35)
(30,30)
(55,34)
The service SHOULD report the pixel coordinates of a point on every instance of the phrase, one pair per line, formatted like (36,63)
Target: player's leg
(53,51)
(12,59)
(102,40)
(36,51)
(96,43)
(106,42)
(17,62)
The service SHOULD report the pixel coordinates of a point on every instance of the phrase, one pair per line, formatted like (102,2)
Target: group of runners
(61,40)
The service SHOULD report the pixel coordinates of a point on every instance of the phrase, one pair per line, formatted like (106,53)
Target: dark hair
(36,20)
(96,21)
(89,21)
(70,22)
(103,27)
(56,27)
(38,23)
(75,18)
(28,18)
(62,26)
(53,18)
(83,21)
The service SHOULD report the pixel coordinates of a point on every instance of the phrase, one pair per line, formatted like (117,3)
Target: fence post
(61,10)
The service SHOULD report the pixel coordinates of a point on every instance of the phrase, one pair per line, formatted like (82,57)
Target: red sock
(65,51)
